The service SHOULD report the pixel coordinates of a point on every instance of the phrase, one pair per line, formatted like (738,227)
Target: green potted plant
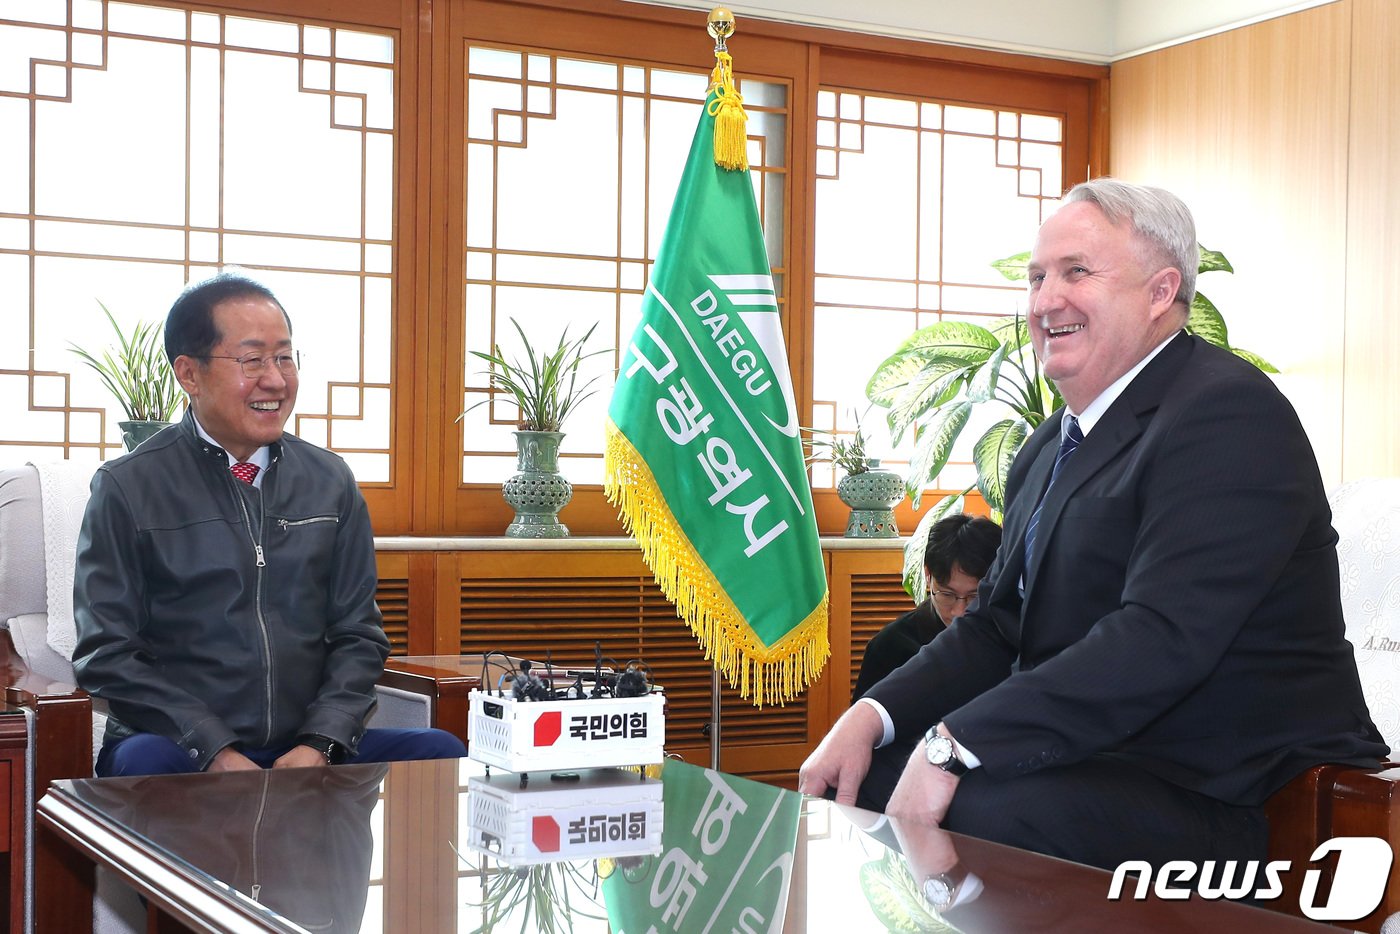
(870,492)
(136,371)
(546,387)
(547,898)
(941,373)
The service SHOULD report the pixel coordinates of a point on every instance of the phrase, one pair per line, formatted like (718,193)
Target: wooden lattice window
(572,165)
(915,197)
(142,147)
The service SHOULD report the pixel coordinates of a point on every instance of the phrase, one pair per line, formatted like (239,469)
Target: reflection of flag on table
(725,863)
(703,454)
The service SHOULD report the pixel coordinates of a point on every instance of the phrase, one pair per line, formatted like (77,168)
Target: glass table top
(444,847)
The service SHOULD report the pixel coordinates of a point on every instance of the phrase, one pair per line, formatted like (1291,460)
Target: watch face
(938,891)
(940,749)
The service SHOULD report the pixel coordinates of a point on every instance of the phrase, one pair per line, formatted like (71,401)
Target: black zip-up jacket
(212,613)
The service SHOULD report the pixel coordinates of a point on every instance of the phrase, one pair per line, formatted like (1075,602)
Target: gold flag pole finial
(731,136)
(720,25)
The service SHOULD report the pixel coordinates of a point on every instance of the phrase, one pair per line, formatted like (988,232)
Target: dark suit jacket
(895,644)
(1183,609)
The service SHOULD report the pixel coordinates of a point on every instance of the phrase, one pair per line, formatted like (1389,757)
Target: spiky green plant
(136,371)
(846,453)
(935,379)
(545,385)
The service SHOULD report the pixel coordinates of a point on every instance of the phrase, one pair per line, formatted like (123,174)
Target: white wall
(1083,30)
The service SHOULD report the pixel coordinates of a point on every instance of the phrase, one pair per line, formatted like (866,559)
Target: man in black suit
(1172,650)
(960,549)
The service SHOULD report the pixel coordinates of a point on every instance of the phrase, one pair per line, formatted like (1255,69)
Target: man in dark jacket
(225,579)
(960,549)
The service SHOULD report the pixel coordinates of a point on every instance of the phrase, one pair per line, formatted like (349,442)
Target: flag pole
(720,25)
(702,455)
(714,718)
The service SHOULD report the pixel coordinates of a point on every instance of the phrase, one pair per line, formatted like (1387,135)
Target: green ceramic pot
(538,491)
(872,496)
(133,433)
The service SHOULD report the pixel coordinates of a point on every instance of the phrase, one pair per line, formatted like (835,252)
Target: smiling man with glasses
(960,549)
(224,590)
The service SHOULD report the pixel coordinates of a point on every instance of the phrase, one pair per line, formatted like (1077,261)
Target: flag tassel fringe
(774,673)
(731,121)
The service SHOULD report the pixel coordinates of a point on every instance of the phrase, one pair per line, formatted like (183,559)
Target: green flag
(703,457)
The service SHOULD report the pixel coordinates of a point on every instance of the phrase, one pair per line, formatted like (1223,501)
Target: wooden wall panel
(394,599)
(560,605)
(1370,441)
(560,602)
(877,597)
(1251,128)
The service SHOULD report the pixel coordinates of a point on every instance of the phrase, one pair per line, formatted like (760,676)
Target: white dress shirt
(261,457)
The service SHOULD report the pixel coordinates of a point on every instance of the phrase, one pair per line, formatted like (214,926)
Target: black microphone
(598,682)
(528,686)
(631,683)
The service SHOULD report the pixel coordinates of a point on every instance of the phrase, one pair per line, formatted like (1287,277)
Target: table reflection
(443,847)
(672,849)
(985,887)
(300,849)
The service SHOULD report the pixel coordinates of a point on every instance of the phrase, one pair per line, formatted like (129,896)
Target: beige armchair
(60,736)
(1337,801)
(1366,514)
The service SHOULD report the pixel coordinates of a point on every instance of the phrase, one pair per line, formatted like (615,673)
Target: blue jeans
(149,754)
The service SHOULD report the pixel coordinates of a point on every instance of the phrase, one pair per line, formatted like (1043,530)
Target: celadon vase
(872,496)
(538,491)
(133,433)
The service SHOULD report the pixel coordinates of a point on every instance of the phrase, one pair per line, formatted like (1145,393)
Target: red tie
(245,472)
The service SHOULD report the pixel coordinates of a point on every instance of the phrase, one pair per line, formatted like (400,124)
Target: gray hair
(1159,217)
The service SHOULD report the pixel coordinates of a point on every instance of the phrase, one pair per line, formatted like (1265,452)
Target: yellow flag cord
(731,123)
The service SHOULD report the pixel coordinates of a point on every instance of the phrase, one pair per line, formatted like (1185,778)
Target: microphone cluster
(527,684)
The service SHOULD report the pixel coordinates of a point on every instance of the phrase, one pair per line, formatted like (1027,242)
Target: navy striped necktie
(1070,437)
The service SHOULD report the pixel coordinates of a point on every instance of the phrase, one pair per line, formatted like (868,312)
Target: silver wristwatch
(942,753)
(940,890)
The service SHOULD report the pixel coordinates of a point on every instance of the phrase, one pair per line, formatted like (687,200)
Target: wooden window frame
(805,58)
(424,494)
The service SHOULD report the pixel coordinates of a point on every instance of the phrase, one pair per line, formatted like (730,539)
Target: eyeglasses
(946,598)
(255,366)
